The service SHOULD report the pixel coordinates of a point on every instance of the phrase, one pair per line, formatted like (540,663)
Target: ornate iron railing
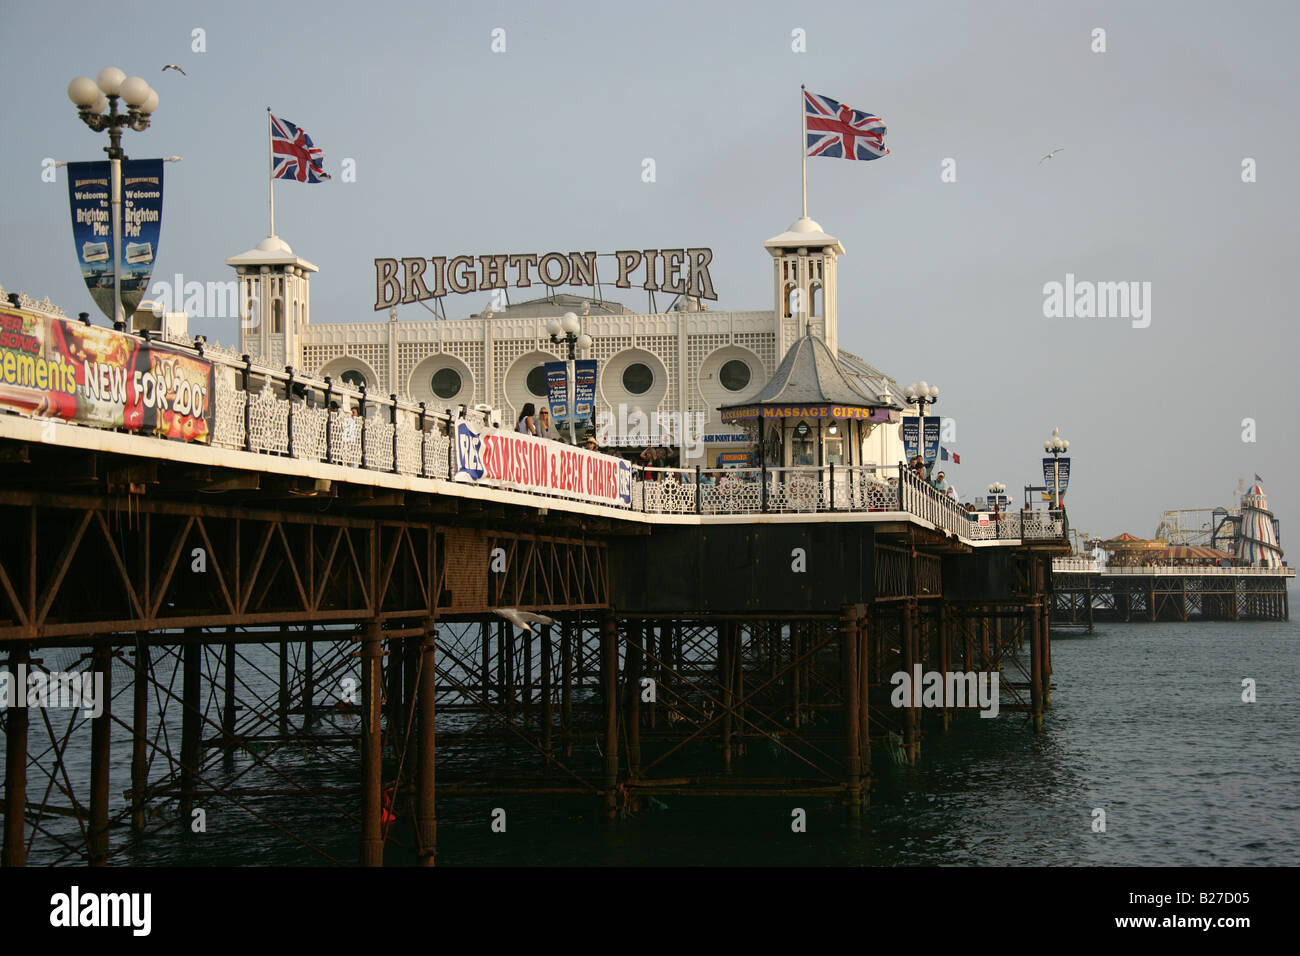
(258,409)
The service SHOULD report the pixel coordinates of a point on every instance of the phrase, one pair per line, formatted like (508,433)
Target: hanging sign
(90,201)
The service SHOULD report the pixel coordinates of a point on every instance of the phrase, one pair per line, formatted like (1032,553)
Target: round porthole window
(734,376)
(536,382)
(445,382)
(637,378)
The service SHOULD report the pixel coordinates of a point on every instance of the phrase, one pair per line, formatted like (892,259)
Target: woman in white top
(525,425)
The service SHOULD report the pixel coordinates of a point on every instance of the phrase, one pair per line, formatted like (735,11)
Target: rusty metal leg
(728,697)
(945,659)
(425,809)
(485,671)
(526,697)
(864,717)
(308,679)
(15,846)
(609,690)
(227,704)
(101,663)
(1033,623)
(852,719)
(372,841)
(566,686)
(140,735)
(548,718)
(410,686)
(738,685)
(632,697)
(1047,655)
(282,700)
(796,646)
(191,723)
(909,641)
(393,684)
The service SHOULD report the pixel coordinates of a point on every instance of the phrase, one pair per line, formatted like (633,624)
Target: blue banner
(90,201)
(911,436)
(584,393)
(557,393)
(469,453)
(930,436)
(1050,472)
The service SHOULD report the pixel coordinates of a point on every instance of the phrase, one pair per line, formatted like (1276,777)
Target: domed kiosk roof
(810,375)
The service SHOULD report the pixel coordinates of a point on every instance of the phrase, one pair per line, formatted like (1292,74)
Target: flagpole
(270,179)
(803,146)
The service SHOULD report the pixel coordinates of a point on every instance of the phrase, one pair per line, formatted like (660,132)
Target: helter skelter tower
(1258,545)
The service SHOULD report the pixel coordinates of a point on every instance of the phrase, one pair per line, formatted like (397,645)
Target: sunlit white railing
(260,410)
(1065,565)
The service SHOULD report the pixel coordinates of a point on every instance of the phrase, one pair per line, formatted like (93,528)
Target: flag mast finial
(803,147)
(270,176)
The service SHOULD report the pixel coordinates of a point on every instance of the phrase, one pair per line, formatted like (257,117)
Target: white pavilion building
(676,366)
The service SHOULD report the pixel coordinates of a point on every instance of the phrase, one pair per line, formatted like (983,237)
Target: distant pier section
(1215,565)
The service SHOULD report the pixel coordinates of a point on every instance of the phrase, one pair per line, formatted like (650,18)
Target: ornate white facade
(490,359)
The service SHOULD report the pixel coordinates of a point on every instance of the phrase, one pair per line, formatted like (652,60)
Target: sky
(460,148)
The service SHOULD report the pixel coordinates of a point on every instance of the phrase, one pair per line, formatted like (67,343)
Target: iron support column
(372,840)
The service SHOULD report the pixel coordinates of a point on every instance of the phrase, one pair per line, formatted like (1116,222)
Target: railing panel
(268,423)
(379,445)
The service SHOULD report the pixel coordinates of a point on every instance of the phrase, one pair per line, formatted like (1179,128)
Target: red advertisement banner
(57,368)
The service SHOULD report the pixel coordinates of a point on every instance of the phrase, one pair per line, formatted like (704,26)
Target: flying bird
(173,66)
(523,620)
(1051,154)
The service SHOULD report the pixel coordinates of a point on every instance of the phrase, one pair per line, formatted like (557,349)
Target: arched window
(277,316)
(353,377)
(790,300)
(818,301)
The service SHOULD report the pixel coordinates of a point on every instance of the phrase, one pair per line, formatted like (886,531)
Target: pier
(300,582)
(1086,592)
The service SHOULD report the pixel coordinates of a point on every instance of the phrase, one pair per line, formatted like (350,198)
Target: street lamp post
(922,395)
(1056,446)
(92,98)
(567,331)
(996,489)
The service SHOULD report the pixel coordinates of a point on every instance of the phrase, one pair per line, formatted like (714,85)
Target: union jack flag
(840,131)
(293,155)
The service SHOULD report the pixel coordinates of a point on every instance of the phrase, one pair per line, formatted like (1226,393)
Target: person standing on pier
(544,422)
(526,425)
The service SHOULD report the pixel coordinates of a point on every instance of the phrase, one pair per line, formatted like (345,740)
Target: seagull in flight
(523,620)
(1051,154)
(173,66)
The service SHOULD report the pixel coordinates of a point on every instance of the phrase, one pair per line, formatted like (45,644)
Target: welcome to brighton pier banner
(60,368)
(92,227)
(529,463)
(675,271)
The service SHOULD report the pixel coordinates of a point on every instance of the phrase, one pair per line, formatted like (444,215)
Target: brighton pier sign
(675,271)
